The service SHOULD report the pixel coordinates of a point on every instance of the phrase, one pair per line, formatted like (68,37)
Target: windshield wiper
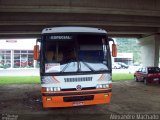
(66,66)
(88,66)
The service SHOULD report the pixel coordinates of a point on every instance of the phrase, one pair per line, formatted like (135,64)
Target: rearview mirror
(114,50)
(36,52)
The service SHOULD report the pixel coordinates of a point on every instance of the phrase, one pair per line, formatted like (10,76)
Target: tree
(129,45)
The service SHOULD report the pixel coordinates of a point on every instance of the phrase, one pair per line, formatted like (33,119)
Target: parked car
(123,65)
(148,75)
(116,66)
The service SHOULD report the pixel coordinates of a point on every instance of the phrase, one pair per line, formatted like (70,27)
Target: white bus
(75,66)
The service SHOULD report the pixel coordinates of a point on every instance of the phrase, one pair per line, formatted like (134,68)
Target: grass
(19,80)
(122,76)
(36,79)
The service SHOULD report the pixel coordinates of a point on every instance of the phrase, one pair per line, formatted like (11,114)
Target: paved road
(129,97)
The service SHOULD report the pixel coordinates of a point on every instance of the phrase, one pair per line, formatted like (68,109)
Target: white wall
(150,50)
(21,44)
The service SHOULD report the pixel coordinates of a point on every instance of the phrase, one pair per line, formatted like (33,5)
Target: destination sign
(61,37)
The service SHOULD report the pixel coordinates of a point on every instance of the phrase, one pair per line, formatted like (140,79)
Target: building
(17,53)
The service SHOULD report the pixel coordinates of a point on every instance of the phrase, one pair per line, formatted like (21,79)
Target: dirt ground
(23,102)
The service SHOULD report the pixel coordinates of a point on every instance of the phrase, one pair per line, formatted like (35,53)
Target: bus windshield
(78,53)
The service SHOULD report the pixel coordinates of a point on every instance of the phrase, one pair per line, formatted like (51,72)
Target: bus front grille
(74,89)
(80,79)
(78,98)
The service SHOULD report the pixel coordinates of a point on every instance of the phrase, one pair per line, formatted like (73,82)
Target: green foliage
(129,45)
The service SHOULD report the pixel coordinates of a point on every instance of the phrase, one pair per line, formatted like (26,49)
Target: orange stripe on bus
(56,80)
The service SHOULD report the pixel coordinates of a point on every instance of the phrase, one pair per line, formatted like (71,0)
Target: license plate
(79,103)
(155,79)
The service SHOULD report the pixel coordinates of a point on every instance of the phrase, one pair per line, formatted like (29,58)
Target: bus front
(75,69)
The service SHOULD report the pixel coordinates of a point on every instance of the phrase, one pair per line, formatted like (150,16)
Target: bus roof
(73,30)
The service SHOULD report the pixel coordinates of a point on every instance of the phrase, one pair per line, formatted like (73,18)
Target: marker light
(48,98)
(57,89)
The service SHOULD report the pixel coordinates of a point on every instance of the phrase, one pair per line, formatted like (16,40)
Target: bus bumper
(75,98)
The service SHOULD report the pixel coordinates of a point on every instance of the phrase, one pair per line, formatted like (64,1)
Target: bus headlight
(102,86)
(48,89)
(57,89)
(51,89)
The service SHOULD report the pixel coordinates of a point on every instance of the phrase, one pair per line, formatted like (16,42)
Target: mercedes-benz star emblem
(78,87)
